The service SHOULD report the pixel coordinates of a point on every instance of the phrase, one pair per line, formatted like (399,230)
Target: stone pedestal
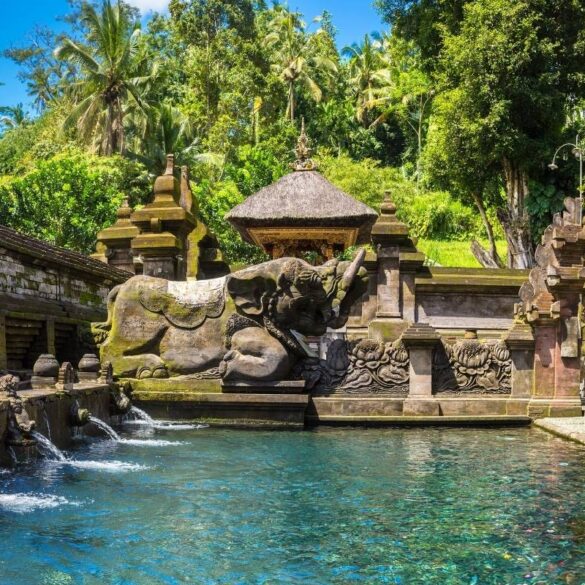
(421,339)
(520,340)
(398,260)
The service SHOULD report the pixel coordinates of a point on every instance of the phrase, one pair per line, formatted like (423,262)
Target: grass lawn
(455,254)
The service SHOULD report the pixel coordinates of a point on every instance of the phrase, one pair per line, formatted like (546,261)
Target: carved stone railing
(467,366)
(358,367)
(472,366)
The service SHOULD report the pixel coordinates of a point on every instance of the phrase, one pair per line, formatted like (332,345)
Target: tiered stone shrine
(165,238)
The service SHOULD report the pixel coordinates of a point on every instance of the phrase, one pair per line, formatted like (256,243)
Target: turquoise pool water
(405,506)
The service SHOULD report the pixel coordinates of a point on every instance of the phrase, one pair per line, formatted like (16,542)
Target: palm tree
(364,61)
(108,75)
(296,58)
(164,130)
(402,89)
(13,117)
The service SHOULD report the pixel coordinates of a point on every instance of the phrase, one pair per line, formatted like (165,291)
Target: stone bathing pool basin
(327,506)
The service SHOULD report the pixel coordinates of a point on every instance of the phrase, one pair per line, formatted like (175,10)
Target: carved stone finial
(387,207)
(107,373)
(170,164)
(45,371)
(89,367)
(304,162)
(187,201)
(66,377)
(124,211)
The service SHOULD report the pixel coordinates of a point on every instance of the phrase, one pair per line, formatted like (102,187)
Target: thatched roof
(303,198)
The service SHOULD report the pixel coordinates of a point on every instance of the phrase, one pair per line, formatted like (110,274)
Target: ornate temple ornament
(472,366)
(304,162)
(359,367)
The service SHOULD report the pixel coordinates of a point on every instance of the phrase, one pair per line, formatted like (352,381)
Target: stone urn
(46,366)
(89,363)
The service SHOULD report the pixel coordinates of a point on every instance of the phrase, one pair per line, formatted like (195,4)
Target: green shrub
(68,198)
(215,200)
(430,214)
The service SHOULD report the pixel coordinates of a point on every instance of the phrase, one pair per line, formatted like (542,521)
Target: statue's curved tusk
(350,274)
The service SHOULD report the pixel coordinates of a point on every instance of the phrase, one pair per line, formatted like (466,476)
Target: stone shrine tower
(303,214)
(165,238)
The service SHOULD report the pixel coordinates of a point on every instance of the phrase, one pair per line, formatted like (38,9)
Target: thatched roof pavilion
(303,212)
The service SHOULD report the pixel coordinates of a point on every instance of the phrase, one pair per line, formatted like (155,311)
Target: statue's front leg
(255,356)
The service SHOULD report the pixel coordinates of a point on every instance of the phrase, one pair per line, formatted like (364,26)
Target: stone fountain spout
(120,402)
(79,417)
(20,425)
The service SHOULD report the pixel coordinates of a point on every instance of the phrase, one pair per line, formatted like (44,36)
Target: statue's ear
(249,291)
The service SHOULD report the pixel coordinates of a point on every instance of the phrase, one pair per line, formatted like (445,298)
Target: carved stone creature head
(292,294)
(21,420)
(19,423)
(9,385)
(119,401)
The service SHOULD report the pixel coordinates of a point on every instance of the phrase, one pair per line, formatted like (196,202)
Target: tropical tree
(163,131)
(364,62)
(402,89)
(295,57)
(44,75)
(507,78)
(109,79)
(13,117)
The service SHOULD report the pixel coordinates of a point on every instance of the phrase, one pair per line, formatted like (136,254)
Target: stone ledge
(228,398)
(570,428)
(423,420)
(283,387)
(234,409)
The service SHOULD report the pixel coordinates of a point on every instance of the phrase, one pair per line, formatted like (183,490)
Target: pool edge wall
(256,408)
(51,410)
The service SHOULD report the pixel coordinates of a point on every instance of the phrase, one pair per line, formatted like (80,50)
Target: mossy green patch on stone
(179,385)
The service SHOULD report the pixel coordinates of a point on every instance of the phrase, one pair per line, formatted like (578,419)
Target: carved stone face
(304,305)
(23,421)
(295,295)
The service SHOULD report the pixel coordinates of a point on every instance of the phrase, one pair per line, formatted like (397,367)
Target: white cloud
(150,5)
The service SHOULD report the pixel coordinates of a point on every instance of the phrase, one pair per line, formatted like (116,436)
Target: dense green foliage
(69,197)
(456,112)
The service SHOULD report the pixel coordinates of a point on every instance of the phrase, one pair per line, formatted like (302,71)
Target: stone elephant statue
(243,326)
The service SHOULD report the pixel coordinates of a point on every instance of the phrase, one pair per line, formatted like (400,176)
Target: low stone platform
(380,409)
(571,428)
(277,405)
(285,404)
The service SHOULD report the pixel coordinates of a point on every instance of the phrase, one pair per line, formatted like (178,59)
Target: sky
(352,18)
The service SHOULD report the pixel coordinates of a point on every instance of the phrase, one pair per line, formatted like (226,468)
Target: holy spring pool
(209,506)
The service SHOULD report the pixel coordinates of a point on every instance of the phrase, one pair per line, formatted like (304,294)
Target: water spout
(112,434)
(47,423)
(139,415)
(48,447)
(12,454)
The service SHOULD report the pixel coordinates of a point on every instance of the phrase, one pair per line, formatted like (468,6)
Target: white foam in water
(22,503)
(149,442)
(108,466)
(164,425)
